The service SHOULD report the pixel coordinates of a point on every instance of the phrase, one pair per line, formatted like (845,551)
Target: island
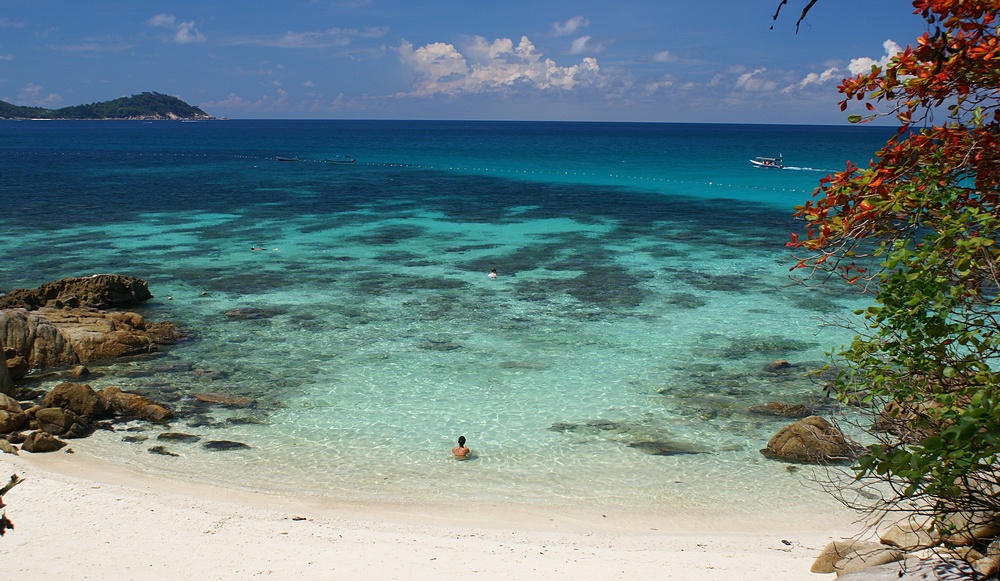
(144,106)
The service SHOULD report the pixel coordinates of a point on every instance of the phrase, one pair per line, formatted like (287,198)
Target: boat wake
(816,169)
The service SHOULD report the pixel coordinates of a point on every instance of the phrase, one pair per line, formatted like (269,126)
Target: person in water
(460,451)
(493,273)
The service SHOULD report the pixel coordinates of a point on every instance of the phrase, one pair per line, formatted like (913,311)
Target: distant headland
(145,106)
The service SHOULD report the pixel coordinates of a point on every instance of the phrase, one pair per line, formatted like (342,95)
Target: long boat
(769,162)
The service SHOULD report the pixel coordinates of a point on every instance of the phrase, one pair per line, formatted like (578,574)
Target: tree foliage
(919,226)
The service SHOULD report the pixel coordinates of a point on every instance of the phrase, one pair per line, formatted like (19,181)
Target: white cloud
(664,56)
(570,27)
(314,38)
(754,82)
(31,94)
(4,23)
(183,32)
(496,67)
(864,64)
(830,74)
(6,57)
(579,45)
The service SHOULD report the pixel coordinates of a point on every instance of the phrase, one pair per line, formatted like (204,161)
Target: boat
(769,162)
(341,159)
(288,159)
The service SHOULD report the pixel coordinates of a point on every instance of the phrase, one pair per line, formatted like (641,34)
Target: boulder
(910,535)
(7,448)
(79,372)
(843,557)
(811,440)
(133,405)
(78,398)
(12,421)
(964,528)
(12,417)
(17,365)
(10,404)
(50,337)
(224,399)
(61,422)
(6,380)
(37,442)
(989,565)
(98,291)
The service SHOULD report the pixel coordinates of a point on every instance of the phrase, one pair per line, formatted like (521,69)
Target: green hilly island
(142,106)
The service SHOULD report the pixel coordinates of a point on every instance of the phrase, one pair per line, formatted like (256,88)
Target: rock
(777,365)
(50,337)
(219,445)
(77,397)
(663,448)
(248,314)
(7,448)
(6,379)
(963,528)
(61,422)
(811,440)
(781,410)
(99,291)
(842,557)
(162,451)
(989,565)
(178,437)
(79,372)
(12,421)
(930,569)
(10,404)
(38,442)
(909,536)
(17,365)
(133,405)
(232,401)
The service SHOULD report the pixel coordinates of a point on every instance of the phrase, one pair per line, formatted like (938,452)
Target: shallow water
(643,290)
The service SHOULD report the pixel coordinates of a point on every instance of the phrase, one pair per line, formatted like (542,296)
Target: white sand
(79,519)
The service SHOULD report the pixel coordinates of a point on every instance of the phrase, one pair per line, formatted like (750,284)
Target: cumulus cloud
(755,82)
(32,94)
(569,27)
(314,39)
(864,64)
(492,67)
(830,74)
(182,32)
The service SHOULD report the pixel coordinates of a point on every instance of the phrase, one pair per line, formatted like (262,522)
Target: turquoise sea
(643,290)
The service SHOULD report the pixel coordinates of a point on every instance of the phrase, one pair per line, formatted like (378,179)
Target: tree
(5,523)
(918,227)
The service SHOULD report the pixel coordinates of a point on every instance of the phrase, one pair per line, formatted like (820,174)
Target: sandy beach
(79,519)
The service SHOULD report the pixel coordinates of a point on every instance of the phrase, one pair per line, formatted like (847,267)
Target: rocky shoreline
(61,326)
(58,328)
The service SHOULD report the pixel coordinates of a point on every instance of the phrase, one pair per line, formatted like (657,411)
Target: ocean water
(643,290)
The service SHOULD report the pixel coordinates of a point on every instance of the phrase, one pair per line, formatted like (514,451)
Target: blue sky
(625,60)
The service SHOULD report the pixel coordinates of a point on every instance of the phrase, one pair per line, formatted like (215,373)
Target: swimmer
(256,248)
(460,451)
(493,273)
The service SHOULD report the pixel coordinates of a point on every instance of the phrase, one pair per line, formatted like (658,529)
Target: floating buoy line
(448,168)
